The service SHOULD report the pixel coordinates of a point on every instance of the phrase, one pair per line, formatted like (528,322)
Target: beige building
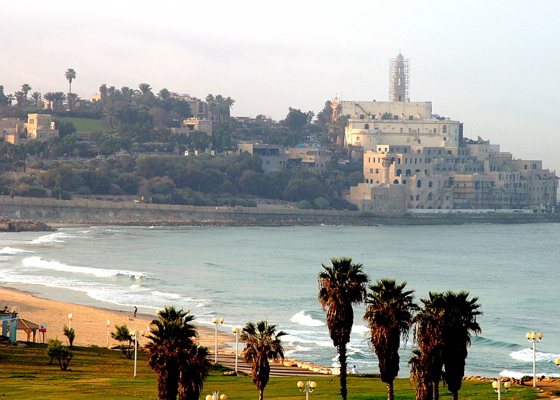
(38,127)
(477,176)
(312,158)
(193,124)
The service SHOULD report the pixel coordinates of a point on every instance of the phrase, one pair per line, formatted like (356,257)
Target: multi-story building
(424,162)
(38,127)
(273,156)
(312,158)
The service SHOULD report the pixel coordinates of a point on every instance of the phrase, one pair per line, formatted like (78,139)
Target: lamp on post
(307,387)
(235,331)
(500,387)
(534,337)
(135,335)
(216,396)
(216,323)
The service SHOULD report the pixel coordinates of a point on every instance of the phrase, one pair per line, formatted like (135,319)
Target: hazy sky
(490,64)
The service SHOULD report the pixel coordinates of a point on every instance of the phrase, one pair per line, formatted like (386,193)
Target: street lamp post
(135,334)
(216,323)
(216,396)
(108,325)
(534,337)
(236,333)
(307,387)
(500,387)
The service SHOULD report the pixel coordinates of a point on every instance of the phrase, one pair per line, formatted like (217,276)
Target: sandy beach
(90,323)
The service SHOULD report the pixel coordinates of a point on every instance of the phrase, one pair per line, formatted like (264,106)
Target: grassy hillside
(84,125)
(96,372)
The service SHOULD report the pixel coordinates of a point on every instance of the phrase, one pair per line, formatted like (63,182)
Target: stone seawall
(128,213)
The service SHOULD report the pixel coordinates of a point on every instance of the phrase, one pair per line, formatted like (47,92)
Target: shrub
(304,205)
(122,334)
(34,191)
(321,203)
(70,333)
(55,349)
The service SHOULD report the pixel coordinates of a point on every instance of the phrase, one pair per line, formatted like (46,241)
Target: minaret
(398,77)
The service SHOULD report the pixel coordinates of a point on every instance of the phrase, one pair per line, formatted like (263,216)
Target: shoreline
(89,322)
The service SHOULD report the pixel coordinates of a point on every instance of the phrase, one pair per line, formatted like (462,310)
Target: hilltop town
(387,158)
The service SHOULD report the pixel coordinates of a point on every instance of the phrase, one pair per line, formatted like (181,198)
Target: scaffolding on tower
(399,74)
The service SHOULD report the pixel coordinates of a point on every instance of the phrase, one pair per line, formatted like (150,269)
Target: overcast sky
(490,64)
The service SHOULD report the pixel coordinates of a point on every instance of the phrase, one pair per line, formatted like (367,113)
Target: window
(411,117)
(419,184)
(399,172)
(430,184)
(366,126)
(201,108)
(444,129)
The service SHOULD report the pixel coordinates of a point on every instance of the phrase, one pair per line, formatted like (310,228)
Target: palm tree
(389,314)
(263,343)
(460,321)
(418,375)
(194,368)
(429,337)
(25,88)
(36,96)
(341,286)
(70,75)
(171,335)
(443,334)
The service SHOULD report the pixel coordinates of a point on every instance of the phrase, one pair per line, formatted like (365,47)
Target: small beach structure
(11,323)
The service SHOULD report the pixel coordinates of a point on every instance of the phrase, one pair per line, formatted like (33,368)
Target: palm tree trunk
(390,391)
(343,368)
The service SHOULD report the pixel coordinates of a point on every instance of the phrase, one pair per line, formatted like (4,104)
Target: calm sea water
(253,273)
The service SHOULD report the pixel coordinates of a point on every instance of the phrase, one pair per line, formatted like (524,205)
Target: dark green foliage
(70,334)
(34,191)
(62,354)
(123,335)
(65,128)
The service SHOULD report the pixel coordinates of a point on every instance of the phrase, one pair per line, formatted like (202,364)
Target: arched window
(419,184)
(417,197)
(404,182)
(396,181)
(430,196)
(444,129)
(408,172)
(399,172)
(430,184)
(366,126)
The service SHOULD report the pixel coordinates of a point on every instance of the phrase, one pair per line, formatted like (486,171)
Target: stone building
(38,127)
(423,161)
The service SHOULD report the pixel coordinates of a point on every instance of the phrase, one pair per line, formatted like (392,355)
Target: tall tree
(460,322)
(389,314)
(194,368)
(341,286)
(428,334)
(263,343)
(70,75)
(36,96)
(25,88)
(171,336)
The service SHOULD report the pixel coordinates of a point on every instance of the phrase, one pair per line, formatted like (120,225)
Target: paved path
(228,360)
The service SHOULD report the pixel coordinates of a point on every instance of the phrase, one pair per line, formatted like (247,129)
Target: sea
(245,274)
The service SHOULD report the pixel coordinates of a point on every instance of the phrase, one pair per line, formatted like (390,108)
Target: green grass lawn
(100,373)
(84,125)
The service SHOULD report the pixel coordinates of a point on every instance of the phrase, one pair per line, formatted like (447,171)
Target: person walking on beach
(134,311)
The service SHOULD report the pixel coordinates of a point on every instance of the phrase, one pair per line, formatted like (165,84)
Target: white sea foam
(13,251)
(527,355)
(38,262)
(519,375)
(167,295)
(359,329)
(306,320)
(51,238)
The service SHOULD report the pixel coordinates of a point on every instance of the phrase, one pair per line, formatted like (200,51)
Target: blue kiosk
(9,326)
